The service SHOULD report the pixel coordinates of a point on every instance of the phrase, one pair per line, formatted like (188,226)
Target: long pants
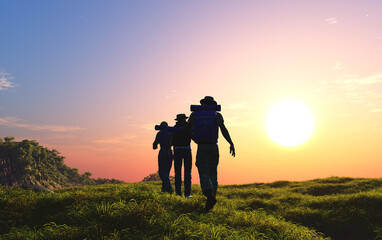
(164,166)
(207,160)
(183,155)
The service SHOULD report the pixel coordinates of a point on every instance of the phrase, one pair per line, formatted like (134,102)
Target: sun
(289,123)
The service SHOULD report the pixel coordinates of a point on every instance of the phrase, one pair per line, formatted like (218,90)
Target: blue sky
(92,78)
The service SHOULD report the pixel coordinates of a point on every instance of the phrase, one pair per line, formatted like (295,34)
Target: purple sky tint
(91,78)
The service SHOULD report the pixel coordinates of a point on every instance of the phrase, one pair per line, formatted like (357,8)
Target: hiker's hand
(232,150)
(155,146)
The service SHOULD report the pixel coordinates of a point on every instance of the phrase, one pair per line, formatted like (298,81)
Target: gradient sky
(92,78)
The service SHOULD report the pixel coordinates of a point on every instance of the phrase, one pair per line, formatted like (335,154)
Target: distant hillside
(331,208)
(155,177)
(27,163)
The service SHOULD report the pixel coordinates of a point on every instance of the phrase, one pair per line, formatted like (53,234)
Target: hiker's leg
(202,163)
(162,169)
(187,171)
(213,167)
(178,171)
(170,158)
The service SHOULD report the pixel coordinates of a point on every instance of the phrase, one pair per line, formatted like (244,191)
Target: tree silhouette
(155,177)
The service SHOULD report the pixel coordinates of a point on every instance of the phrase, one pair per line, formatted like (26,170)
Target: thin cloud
(343,115)
(148,126)
(117,140)
(142,124)
(237,122)
(331,20)
(354,89)
(376,110)
(354,81)
(238,106)
(18,123)
(5,81)
(338,66)
(174,94)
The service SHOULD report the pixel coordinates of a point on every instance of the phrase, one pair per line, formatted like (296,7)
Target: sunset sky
(92,78)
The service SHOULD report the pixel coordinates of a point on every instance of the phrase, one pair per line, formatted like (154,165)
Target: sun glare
(289,123)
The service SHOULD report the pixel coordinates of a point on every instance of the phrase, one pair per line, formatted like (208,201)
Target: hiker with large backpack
(205,121)
(182,155)
(165,156)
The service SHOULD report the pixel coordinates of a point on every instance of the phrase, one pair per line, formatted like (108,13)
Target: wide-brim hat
(208,100)
(180,117)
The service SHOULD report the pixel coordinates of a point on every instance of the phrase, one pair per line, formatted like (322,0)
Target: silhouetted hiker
(205,122)
(181,140)
(163,138)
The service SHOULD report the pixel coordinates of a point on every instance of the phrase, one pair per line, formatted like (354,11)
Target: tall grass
(337,208)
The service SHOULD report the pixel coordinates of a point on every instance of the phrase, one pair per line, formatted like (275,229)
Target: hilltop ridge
(332,208)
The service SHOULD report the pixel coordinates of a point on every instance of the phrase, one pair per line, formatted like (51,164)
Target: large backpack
(205,127)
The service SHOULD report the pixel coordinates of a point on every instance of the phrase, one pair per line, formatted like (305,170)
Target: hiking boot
(210,203)
(211,200)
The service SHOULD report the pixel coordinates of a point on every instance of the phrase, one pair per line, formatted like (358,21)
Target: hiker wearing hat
(164,138)
(205,123)
(182,154)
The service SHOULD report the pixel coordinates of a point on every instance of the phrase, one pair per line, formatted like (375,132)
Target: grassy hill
(27,163)
(337,208)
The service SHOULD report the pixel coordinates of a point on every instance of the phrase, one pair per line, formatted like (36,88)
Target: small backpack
(205,128)
(165,131)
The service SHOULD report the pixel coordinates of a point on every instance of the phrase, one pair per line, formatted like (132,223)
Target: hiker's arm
(171,142)
(156,142)
(191,126)
(227,137)
(191,129)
